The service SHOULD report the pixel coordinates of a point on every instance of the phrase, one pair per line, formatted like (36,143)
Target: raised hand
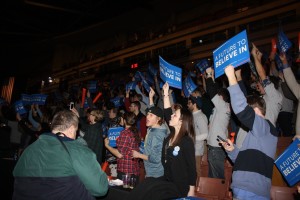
(151,93)
(166,88)
(256,53)
(283,58)
(127,93)
(229,71)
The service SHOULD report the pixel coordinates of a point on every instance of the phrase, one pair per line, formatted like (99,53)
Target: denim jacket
(153,147)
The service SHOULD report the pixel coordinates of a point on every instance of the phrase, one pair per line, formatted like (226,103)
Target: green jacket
(46,170)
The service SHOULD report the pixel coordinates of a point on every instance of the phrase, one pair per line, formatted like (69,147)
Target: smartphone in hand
(222,139)
(71,105)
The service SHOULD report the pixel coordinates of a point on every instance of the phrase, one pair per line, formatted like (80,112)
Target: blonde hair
(99,115)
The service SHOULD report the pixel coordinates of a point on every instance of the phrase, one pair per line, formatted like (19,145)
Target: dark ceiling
(26,21)
(27,25)
(31,29)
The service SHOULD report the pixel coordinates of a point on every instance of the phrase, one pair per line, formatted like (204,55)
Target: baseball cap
(156,111)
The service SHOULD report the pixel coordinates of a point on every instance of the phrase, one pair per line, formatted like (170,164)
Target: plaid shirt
(126,143)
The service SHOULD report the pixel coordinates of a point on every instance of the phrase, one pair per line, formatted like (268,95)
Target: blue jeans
(216,158)
(246,195)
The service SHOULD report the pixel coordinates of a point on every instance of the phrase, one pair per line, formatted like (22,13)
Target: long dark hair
(187,127)
(130,120)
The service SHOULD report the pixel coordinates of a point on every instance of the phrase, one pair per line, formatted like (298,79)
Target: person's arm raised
(229,71)
(151,95)
(257,60)
(167,103)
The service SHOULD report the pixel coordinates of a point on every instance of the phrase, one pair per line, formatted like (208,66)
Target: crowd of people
(61,149)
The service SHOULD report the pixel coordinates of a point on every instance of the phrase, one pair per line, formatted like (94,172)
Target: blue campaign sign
(26,98)
(85,104)
(43,99)
(39,99)
(234,51)
(137,76)
(149,78)
(116,101)
(170,73)
(131,85)
(161,84)
(188,86)
(19,107)
(192,74)
(35,98)
(92,86)
(144,82)
(202,65)
(283,42)
(142,147)
(113,134)
(152,70)
(146,85)
(288,163)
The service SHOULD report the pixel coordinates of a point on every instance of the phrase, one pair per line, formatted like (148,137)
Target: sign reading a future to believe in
(170,73)
(234,51)
(113,134)
(288,163)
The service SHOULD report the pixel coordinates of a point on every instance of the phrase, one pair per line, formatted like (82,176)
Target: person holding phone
(253,162)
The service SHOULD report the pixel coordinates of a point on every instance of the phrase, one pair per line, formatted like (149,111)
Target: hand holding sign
(283,58)
(256,53)
(234,51)
(229,71)
(113,134)
(166,89)
(170,73)
(188,86)
(151,93)
(283,41)
(288,163)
